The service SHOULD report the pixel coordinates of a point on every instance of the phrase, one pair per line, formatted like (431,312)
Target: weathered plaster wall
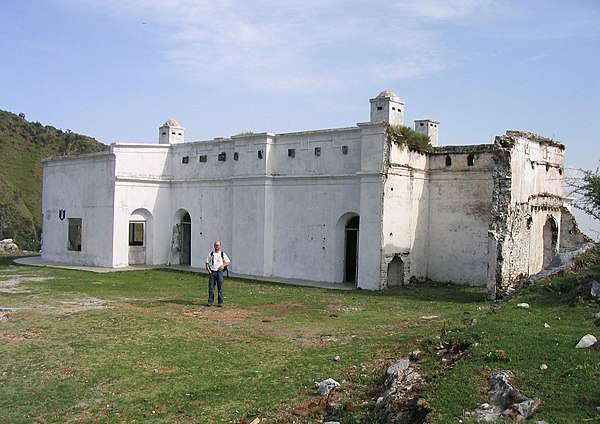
(528,193)
(304,222)
(142,161)
(83,187)
(153,199)
(373,153)
(405,216)
(460,195)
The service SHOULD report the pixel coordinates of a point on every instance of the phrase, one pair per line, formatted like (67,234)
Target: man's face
(217,247)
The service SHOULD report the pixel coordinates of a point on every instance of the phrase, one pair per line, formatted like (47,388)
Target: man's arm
(226,262)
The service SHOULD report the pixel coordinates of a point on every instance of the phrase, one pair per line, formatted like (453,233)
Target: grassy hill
(23,145)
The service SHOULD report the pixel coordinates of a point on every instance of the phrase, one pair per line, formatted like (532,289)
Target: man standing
(216,262)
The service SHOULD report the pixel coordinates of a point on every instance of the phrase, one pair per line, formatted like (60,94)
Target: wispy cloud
(448,10)
(296,45)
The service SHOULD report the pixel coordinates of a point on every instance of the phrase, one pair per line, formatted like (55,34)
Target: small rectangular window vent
(291,153)
(185,159)
(202,158)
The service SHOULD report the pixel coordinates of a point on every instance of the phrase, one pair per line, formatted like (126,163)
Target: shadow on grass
(438,292)
(7,259)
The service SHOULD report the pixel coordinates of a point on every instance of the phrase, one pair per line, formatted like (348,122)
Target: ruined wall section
(528,191)
(571,237)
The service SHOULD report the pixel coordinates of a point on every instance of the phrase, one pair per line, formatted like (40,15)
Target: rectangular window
(291,153)
(202,158)
(344,150)
(222,157)
(471,160)
(136,233)
(185,159)
(317,151)
(260,154)
(74,236)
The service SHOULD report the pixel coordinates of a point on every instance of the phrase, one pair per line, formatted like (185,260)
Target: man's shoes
(220,305)
(208,304)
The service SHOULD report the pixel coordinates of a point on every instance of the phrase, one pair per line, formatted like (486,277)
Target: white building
(340,205)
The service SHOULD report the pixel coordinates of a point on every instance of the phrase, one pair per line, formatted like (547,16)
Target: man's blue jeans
(215,277)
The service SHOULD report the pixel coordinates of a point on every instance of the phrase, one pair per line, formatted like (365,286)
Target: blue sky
(117,69)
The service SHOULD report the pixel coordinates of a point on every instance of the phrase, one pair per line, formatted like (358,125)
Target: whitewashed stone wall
(280,203)
(81,187)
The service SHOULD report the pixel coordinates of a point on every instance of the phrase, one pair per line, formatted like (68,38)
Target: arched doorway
(140,232)
(550,237)
(395,273)
(351,250)
(185,243)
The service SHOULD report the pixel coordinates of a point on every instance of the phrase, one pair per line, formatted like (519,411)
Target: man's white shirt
(214,260)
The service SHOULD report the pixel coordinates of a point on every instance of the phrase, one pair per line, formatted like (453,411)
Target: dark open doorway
(186,240)
(550,241)
(351,253)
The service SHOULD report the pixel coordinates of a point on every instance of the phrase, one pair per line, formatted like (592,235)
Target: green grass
(519,340)
(141,346)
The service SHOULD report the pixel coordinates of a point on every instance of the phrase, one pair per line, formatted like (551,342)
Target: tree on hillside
(587,187)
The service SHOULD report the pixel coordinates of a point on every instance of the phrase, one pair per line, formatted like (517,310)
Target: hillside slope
(23,145)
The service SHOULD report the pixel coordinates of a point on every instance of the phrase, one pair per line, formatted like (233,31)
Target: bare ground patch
(344,309)
(59,373)
(312,336)
(161,369)
(89,303)
(11,283)
(19,337)
(283,308)
(222,315)
(66,307)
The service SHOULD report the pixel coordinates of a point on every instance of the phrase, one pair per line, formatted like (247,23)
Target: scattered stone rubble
(595,289)
(587,341)
(507,402)
(562,262)
(398,403)
(327,386)
(8,244)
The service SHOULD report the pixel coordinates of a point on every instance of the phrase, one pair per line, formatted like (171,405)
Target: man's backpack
(223,259)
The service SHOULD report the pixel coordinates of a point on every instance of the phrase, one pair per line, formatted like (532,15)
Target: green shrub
(405,136)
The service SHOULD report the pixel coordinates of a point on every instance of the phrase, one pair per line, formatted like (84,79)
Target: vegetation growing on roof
(512,135)
(405,136)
